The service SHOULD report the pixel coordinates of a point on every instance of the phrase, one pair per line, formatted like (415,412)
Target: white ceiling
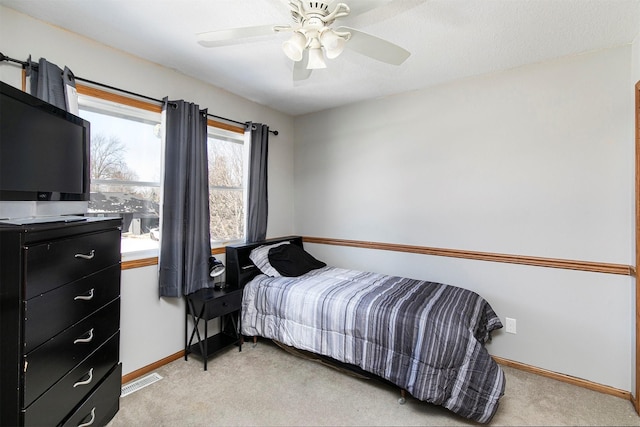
(448,40)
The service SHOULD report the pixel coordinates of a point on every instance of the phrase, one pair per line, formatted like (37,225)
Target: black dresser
(60,323)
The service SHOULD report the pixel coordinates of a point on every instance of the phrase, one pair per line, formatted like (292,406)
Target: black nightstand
(207,304)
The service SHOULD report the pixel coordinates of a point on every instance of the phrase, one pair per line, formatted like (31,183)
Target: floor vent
(138,384)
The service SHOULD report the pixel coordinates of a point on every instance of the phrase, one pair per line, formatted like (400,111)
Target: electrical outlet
(511,325)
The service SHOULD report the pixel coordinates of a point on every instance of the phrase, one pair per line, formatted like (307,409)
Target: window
(125,168)
(227,166)
(126,164)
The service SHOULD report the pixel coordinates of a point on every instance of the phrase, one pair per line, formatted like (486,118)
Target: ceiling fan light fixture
(294,47)
(313,40)
(332,42)
(316,59)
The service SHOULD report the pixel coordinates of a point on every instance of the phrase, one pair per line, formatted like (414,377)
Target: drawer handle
(85,256)
(85,382)
(93,418)
(87,339)
(85,297)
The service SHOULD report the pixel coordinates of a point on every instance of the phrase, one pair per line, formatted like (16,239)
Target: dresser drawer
(52,264)
(51,312)
(101,405)
(53,359)
(57,402)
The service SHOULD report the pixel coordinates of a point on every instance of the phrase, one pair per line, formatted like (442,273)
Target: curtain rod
(159,101)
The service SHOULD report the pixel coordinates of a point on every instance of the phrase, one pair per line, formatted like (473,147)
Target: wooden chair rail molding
(597,267)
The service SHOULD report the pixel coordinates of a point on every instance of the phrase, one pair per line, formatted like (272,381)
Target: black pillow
(292,260)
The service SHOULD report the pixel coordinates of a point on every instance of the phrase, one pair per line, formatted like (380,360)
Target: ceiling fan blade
(375,47)
(236,35)
(300,71)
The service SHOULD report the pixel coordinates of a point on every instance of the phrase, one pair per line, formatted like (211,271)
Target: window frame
(228,136)
(122,108)
(133,259)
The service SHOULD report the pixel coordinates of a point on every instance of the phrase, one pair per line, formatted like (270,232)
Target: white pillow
(260,257)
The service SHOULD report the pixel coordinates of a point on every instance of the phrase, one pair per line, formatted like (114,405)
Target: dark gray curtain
(258,206)
(185,246)
(50,83)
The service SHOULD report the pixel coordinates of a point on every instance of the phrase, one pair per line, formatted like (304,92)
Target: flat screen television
(44,150)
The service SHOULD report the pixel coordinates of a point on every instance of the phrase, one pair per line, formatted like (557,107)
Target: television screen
(44,150)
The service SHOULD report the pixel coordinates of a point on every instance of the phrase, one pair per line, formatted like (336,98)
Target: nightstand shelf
(207,304)
(214,343)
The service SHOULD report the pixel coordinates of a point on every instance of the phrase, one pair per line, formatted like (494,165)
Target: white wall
(152,327)
(535,161)
(635,58)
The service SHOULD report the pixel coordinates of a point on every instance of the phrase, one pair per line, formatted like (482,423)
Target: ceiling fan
(313,39)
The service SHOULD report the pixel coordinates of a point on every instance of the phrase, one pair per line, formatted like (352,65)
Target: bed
(426,338)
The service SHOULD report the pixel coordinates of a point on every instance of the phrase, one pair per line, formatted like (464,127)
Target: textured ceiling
(448,40)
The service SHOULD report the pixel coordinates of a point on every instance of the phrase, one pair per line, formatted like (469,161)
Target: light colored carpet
(266,386)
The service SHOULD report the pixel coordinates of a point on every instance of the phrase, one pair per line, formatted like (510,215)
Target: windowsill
(133,249)
(138,255)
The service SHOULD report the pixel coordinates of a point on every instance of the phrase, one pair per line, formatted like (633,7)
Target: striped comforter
(427,338)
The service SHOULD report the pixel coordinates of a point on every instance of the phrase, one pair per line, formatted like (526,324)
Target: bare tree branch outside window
(107,159)
(226,202)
